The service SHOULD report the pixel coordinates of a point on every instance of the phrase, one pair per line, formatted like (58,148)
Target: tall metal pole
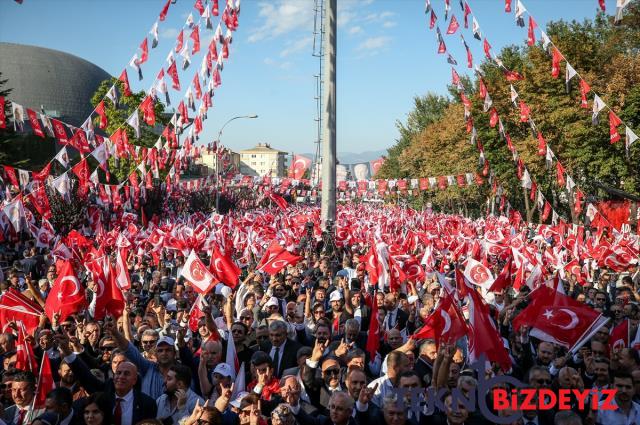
(328,210)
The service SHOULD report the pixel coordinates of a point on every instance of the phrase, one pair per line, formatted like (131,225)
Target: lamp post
(216,163)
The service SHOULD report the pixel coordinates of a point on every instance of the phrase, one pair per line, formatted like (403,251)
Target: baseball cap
(223,290)
(335,296)
(272,301)
(236,402)
(165,340)
(342,273)
(223,369)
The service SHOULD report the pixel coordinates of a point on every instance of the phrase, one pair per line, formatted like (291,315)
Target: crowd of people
(324,340)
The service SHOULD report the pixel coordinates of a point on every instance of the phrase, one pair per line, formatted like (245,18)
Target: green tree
(117,117)
(427,109)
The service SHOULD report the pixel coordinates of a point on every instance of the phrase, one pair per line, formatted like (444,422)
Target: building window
(253,156)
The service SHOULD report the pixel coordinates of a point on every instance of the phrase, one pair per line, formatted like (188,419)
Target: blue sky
(386,56)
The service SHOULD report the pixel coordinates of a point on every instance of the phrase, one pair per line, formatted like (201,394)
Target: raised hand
(366,394)
(318,350)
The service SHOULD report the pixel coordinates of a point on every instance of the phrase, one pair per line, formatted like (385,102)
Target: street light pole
(217,161)
(328,204)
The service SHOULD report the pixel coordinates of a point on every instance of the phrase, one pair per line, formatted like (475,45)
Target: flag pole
(35,396)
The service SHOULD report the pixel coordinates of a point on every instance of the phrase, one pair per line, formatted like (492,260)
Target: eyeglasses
(246,318)
(334,372)
(149,342)
(108,348)
(318,312)
(543,381)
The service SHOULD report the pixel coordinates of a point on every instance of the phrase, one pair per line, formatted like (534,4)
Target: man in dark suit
(129,406)
(282,350)
(23,391)
(395,318)
(340,412)
(60,402)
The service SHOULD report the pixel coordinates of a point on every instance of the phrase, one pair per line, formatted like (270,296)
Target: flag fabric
(25,358)
(619,336)
(557,318)
(66,296)
(478,274)
(453,25)
(197,274)
(299,166)
(35,124)
(125,82)
(45,383)
(223,268)
(484,339)
(446,323)
(614,122)
(373,336)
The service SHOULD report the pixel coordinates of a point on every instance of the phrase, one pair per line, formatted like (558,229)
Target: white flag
(134,122)
(63,157)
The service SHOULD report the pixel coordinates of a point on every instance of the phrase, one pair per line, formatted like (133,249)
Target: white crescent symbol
(75,283)
(100,288)
(411,269)
(278,264)
(371,264)
(447,321)
(574,319)
(302,161)
(215,264)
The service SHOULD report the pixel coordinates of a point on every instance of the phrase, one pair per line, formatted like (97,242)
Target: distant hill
(354,158)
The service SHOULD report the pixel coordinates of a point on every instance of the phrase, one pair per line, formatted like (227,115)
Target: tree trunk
(529,214)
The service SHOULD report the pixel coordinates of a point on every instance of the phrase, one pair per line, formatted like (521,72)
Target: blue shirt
(152,379)
(617,417)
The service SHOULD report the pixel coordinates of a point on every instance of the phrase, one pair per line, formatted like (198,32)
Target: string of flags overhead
(88,142)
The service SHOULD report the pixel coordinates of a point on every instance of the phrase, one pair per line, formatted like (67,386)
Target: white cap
(236,402)
(165,340)
(335,296)
(272,301)
(223,290)
(412,299)
(224,370)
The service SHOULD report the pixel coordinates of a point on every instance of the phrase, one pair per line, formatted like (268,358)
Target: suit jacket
(304,418)
(144,407)
(373,416)
(10,413)
(288,355)
(399,320)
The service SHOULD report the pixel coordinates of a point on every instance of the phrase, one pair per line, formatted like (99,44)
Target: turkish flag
(125,83)
(223,268)
(445,324)
(278,200)
(148,112)
(25,358)
(15,307)
(503,280)
(197,274)
(196,314)
(478,274)
(122,270)
(376,164)
(281,260)
(109,298)
(45,383)
(620,336)
(614,122)
(299,166)
(484,338)
(66,296)
(371,265)
(557,318)
(373,336)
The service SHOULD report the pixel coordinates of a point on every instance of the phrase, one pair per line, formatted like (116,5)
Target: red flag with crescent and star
(66,296)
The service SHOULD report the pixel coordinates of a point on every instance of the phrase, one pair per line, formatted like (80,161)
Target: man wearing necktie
(23,392)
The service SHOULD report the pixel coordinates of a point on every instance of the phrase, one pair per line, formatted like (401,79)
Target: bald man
(129,405)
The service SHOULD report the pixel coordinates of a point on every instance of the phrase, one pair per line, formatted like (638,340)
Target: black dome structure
(60,82)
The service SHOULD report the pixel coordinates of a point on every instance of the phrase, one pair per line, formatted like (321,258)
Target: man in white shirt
(397,363)
(627,411)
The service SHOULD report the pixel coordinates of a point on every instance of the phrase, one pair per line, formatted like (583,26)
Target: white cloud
(281,17)
(373,44)
(169,33)
(269,61)
(389,24)
(355,30)
(296,46)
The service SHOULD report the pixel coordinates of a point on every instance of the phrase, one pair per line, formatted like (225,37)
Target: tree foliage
(606,56)
(117,116)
